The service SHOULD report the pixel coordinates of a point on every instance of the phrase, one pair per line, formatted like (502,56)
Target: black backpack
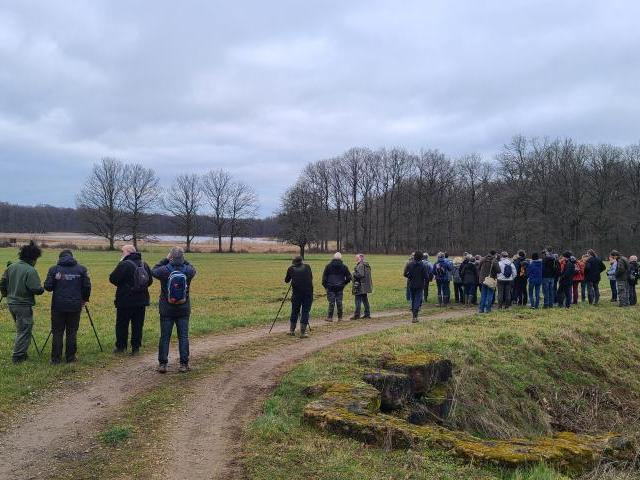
(140,277)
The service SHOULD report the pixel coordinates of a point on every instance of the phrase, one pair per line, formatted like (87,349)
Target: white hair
(337,256)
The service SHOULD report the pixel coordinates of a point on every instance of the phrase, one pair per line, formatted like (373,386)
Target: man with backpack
(505,280)
(301,278)
(335,277)
(132,278)
(71,287)
(442,273)
(175,275)
(20,283)
(622,277)
(417,276)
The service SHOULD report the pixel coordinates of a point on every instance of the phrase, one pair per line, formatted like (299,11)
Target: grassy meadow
(229,291)
(582,364)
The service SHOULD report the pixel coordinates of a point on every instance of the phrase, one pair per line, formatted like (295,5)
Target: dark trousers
(61,323)
(361,300)
(124,316)
(504,293)
(458,292)
(614,290)
(564,294)
(416,300)
(426,292)
(548,291)
(633,298)
(335,296)
(166,329)
(593,290)
(444,291)
(520,291)
(300,308)
(534,294)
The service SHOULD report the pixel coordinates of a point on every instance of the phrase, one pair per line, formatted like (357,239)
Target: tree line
(535,192)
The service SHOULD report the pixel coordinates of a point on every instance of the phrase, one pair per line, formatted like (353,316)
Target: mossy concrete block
(425,370)
(395,389)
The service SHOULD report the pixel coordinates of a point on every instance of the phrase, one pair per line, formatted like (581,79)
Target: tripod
(86,309)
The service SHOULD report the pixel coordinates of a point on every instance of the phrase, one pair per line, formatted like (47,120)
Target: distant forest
(46,218)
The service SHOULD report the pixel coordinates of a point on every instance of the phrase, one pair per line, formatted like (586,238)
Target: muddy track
(62,428)
(205,441)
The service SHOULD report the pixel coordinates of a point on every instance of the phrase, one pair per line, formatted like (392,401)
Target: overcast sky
(262,88)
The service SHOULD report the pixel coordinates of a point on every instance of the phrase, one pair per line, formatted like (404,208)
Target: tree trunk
(302,250)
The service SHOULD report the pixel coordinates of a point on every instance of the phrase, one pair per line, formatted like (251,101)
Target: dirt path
(63,427)
(205,442)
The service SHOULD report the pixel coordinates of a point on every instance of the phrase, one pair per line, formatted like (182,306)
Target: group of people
(506,280)
(335,277)
(70,285)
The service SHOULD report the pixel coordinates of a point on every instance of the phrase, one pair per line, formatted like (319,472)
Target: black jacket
(162,270)
(122,278)
(417,273)
(566,277)
(70,284)
(469,273)
(593,268)
(550,267)
(336,275)
(301,278)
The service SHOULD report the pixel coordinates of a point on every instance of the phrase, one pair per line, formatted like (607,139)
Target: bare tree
(183,200)
(101,200)
(299,216)
(217,186)
(141,187)
(243,204)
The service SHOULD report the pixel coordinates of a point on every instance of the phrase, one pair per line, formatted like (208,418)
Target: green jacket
(20,282)
(362,283)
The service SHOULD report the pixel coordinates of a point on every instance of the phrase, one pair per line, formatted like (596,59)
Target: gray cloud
(262,88)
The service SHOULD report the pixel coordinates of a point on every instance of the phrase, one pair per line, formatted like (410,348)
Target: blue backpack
(177,286)
(508,271)
(441,271)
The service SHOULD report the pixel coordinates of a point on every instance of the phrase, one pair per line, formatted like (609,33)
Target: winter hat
(535,256)
(297,260)
(337,256)
(522,253)
(417,256)
(66,253)
(492,252)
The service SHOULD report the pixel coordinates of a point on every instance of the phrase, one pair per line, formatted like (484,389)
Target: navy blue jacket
(534,272)
(122,278)
(70,284)
(593,268)
(162,270)
(336,275)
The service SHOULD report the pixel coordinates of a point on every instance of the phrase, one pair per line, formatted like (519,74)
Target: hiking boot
(119,351)
(367,315)
(162,368)
(339,318)
(355,317)
(55,361)
(328,319)
(415,319)
(20,359)
(292,330)
(134,352)
(184,368)
(303,332)
(73,359)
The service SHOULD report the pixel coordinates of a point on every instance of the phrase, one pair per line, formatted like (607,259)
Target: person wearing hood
(132,278)
(505,280)
(565,280)
(534,277)
(550,269)
(592,270)
(622,277)
(175,275)
(362,287)
(69,281)
(469,276)
(442,273)
(335,277)
(633,279)
(417,275)
(300,276)
(488,271)
(20,283)
(428,264)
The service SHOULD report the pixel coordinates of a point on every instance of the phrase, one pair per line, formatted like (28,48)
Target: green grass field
(584,362)
(230,290)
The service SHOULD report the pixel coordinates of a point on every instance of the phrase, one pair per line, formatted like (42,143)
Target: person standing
(458,290)
(488,271)
(442,273)
(593,268)
(301,278)
(550,269)
(565,280)
(622,277)
(20,283)
(132,278)
(427,263)
(633,279)
(335,277)
(175,275)
(469,275)
(417,275)
(611,275)
(534,277)
(71,287)
(362,287)
(505,280)
(520,282)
